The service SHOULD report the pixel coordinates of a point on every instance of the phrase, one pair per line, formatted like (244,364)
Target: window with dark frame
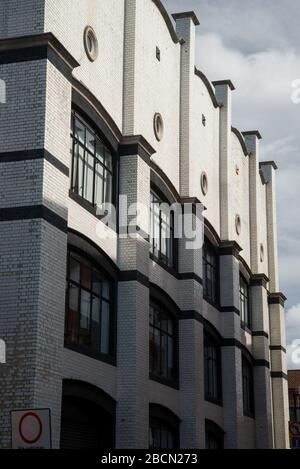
(88,306)
(91,163)
(162,230)
(248,387)
(214,436)
(210,274)
(212,369)
(163,343)
(244,303)
(161,435)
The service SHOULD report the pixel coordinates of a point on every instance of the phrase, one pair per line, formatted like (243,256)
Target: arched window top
(89,392)
(163,428)
(214,435)
(160,297)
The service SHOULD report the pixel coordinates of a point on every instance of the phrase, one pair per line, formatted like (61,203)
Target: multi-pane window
(163,343)
(214,436)
(244,303)
(92,165)
(212,369)
(162,230)
(248,387)
(161,435)
(210,273)
(88,306)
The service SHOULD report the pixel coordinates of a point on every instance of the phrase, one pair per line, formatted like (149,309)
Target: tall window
(163,343)
(212,369)
(248,387)
(92,172)
(89,306)
(244,303)
(162,230)
(210,273)
(161,435)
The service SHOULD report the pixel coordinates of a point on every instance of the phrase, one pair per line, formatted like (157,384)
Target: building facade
(133,341)
(294,405)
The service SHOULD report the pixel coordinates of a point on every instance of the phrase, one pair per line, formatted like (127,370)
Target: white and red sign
(31,429)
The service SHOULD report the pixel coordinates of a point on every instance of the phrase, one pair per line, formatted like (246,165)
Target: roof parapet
(268,163)
(253,132)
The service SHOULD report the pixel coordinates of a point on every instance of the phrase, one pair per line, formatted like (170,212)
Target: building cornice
(186,14)
(168,21)
(208,85)
(238,134)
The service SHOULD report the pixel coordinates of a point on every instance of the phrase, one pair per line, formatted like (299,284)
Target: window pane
(73,297)
(95,326)
(97,284)
(99,183)
(85,276)
(79,130)
(105,329)
(90,141)
(107,187)
(74,267)
(89,178)
(84,337)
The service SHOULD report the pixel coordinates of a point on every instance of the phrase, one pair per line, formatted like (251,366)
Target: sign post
(31,429)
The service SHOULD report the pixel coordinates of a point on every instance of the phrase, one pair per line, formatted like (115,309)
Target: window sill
(92,209)
(170,270)
(217,402)
(164,381)
(83,350)
(246,328)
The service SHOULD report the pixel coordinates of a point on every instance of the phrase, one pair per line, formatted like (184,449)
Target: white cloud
(293,336)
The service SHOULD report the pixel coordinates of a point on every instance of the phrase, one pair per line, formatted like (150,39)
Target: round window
(262,253)
(158,125)
(238,225)
(90,43)
(204,183)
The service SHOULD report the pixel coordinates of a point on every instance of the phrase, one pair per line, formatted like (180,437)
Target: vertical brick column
(191,340)
(279,370)
(231,353)
(34,181)
(132,419)
(223,91)
(185,29)
(261,353)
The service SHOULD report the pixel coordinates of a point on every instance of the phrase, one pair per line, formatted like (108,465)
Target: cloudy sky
(255,43)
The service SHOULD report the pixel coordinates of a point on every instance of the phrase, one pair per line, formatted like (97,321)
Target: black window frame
(85,349)
(165,420)
(213,435)
(245,303)
(215,397)
(172,381)
(212,296)
(248,387)
(159,256)
(74,190)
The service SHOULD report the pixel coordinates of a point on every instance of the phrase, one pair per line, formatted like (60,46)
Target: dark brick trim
(279,374)
(253,132)
(230,248)
(238,134)
(161,180)
(190,276)
(277,348)
(231,343)
(33,212)
(136,145)
(229,309)
(187,14)
(259,280)
(190,314)
(260,334)
(261,362)
(134,276)
(277,299)
(37,47)
(34,154)
(209,88)
(268,163)
(224,82)
(74,347)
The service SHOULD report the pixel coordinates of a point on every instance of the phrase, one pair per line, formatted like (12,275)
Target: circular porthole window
(90,43)
(204,183)
(262,253)
(238,225)
(158,125)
